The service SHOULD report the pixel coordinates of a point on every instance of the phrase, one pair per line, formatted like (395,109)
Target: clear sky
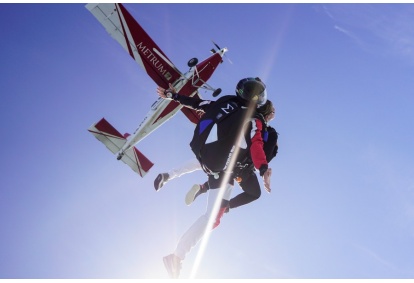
(342,201)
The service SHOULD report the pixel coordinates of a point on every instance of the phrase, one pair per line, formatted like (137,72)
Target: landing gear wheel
(192,62)
(216,92)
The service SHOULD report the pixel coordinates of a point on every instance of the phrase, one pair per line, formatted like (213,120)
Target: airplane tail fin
(114,141)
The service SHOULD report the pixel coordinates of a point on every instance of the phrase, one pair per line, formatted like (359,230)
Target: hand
(163,93)
(266,179)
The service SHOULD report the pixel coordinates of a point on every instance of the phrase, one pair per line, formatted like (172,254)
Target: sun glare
(226,179)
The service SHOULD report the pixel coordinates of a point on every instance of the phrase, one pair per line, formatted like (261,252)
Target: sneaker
(192,194)
(161,180)
(173,265)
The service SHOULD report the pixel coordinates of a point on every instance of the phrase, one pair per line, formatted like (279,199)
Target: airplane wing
(119,23)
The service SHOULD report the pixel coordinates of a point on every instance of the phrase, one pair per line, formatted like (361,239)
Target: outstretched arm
(190,102)
(258,154)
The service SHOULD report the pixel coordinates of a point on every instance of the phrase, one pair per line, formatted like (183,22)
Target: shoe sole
(190,196)
(160,181)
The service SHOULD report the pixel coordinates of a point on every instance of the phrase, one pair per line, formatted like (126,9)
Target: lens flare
(217,203)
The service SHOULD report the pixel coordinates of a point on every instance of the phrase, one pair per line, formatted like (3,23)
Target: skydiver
(248,91)
(242,172)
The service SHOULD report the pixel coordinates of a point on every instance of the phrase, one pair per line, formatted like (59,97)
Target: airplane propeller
(219,48)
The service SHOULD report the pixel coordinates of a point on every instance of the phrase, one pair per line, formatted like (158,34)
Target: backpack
(215,136)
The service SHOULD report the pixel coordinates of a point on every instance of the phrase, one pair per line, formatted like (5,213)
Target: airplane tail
(114,141)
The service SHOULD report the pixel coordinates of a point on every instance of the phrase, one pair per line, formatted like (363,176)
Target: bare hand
(266,179)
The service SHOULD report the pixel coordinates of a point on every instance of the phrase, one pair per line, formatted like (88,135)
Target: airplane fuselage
(162,110)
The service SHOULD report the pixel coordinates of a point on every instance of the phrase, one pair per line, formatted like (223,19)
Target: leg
(251,191)
(192,236)
(187,167)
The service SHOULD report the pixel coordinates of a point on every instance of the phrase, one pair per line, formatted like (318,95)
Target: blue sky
(342,201)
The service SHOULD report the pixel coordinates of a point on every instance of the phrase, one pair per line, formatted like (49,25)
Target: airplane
(119,23)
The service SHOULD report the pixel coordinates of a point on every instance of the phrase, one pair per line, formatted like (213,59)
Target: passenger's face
(271,116)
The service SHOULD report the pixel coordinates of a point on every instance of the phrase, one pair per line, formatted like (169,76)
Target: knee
(256,194)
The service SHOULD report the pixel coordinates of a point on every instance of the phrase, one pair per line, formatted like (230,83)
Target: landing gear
(192,62)
(120,155)
(216,92)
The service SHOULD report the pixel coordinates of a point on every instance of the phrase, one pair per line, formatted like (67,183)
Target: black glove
(263,169)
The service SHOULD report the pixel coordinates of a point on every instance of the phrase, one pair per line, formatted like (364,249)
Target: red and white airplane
(119,23)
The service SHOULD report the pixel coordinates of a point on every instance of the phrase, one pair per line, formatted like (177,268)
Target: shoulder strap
(262,119)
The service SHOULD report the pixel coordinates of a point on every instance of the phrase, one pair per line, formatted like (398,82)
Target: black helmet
(252,89)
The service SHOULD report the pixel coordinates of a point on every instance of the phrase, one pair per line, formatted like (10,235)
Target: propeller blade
(228,59)
(215,44)
(219,48)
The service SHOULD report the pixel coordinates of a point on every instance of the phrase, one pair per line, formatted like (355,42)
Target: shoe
(224,209)
(161,180)
(192,194)
(173,265)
